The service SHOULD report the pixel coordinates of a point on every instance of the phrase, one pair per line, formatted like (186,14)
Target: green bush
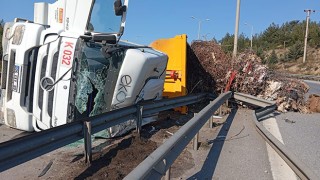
(296,51)
(273,58)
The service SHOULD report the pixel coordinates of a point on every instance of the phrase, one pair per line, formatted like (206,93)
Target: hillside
(310,67)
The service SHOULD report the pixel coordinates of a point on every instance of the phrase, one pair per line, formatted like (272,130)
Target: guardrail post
(196,139)
(87,142)
(211,122)
(167,176)
(196,142)
(139,118)
(220,108)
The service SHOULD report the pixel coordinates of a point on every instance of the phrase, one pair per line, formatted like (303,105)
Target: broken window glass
(91,80)
(96,79)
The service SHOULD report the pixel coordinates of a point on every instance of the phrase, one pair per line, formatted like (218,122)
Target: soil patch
(119,160)
(314,103)
(120,156)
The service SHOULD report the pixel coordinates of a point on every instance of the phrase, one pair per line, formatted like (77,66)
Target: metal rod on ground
(87,142)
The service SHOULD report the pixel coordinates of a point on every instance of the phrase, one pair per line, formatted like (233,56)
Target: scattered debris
(233,137)
(216,117)
(314,103)
(153,129)
(211,70)
(169,133)
(46,169)
(289,121)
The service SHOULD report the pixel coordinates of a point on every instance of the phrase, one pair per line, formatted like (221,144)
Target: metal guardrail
(301,170)
(156,164)
(307,77)
(268,107)
(252,99)
(23,149)
(302,76)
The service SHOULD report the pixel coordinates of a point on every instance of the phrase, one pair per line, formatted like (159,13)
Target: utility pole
(235,44)
(308,11)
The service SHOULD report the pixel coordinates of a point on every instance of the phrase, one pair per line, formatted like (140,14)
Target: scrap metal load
(207,66)
(209,69)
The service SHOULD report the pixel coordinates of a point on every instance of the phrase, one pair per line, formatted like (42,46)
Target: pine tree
(273,58)
(296,51)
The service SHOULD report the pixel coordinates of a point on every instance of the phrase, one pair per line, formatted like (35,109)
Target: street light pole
(199,29)
(308,11)
(250,35)
(199,24)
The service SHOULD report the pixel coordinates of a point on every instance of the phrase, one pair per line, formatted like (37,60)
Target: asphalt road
(236,151)
(7,133)
(300,134)
(244,154)
(314,88)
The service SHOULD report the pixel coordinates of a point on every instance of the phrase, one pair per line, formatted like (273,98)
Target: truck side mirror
(119,9)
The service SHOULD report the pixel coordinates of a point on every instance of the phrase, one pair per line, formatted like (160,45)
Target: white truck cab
(70,64)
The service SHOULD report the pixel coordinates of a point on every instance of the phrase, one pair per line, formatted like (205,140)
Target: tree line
(288,36)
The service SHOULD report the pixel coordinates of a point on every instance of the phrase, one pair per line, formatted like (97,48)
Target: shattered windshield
(91,80)
(95,80)
(103,18)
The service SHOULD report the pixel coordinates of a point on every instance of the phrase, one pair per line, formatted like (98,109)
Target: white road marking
(279,168)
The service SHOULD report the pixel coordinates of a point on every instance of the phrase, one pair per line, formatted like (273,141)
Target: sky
(149,20)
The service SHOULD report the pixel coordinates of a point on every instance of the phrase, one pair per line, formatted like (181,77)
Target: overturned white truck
(69,64)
